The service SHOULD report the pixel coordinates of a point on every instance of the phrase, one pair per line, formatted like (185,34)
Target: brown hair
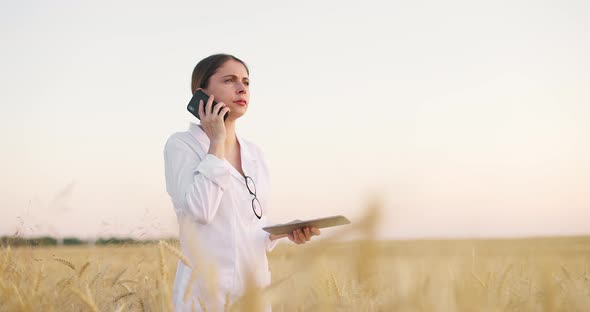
(207,67)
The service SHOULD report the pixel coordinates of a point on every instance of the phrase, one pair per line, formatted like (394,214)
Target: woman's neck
(230,135)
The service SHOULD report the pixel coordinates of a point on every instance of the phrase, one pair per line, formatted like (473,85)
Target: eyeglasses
(256,206)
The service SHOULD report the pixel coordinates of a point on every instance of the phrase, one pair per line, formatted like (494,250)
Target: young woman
(219,185)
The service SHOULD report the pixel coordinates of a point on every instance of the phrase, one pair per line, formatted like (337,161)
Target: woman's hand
(302,235)
(299,236)
(213,125)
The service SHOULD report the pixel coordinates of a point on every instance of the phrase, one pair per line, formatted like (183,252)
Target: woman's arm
(196,186)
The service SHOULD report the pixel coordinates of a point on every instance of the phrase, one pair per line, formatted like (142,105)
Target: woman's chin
(234,116)
(237,113)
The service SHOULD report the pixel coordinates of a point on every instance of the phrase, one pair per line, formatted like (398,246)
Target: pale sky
(469,119)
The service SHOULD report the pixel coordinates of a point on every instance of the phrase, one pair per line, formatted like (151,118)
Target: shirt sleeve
(265,237)
(195,185)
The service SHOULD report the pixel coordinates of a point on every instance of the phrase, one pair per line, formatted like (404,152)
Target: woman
(219,186)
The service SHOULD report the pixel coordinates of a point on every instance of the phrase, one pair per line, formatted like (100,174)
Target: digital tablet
(320,223)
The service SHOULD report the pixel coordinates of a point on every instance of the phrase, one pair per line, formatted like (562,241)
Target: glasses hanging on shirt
(256,206)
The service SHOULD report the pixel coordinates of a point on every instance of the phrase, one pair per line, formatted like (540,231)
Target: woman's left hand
(302,235)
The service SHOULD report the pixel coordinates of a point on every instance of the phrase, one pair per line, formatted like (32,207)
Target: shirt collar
(203,139)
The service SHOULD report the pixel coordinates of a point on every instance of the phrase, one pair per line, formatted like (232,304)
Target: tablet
(320,223)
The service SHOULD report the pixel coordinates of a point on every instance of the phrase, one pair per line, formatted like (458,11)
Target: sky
(467,118)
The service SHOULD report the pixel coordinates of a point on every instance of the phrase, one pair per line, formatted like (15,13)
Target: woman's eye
(227,80)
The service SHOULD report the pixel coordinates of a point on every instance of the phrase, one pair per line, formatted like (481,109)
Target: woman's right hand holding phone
(214,126)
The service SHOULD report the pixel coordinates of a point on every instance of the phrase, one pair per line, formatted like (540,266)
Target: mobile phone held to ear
(193,105)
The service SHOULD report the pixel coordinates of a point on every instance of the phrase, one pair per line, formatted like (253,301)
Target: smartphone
(193,105)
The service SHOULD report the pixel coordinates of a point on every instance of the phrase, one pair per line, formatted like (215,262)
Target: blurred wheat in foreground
(551,274)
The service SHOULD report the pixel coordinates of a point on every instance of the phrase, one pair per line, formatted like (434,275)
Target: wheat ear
(121,296)
(65,262)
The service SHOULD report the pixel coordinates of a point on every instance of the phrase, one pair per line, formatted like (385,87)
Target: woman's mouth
(241,102)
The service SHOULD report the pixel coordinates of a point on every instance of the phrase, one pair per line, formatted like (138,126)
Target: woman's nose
(241,88)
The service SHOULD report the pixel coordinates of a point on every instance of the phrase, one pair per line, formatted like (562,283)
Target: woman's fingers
(301,235)
(201,109)
(307,233)
(224,111)
(295,236)
(218,108)
(208,108)
(315,231)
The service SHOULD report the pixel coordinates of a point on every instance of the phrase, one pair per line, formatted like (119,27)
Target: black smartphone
(193,105)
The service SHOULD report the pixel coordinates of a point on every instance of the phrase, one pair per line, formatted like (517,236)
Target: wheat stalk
(20,298)
(177,253)
(86,298)
(63,283)
(141,305)
(98,275)
(166,302)
(479,279)
(189,287)
(121,308)
(202,304)
(338,292)
(38,280)
(124,287)
(118,276)
(163,268)
(226,306)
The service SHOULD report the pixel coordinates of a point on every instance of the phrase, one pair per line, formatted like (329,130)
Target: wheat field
(542,274)
(510,275)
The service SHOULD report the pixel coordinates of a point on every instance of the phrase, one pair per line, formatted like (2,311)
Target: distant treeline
(66,241)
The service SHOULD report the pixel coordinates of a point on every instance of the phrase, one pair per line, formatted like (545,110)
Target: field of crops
(551,274)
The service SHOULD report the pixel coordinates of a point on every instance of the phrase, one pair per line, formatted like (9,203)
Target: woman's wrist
(217,149)
(275,237)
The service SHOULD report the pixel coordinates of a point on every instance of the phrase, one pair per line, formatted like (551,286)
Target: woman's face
(230,85)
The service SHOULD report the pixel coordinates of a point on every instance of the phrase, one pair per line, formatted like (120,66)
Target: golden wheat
(551,274)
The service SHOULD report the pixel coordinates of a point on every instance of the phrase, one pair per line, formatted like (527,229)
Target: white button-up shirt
(210,196)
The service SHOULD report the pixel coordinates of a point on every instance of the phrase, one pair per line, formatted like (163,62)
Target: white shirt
(211,197)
